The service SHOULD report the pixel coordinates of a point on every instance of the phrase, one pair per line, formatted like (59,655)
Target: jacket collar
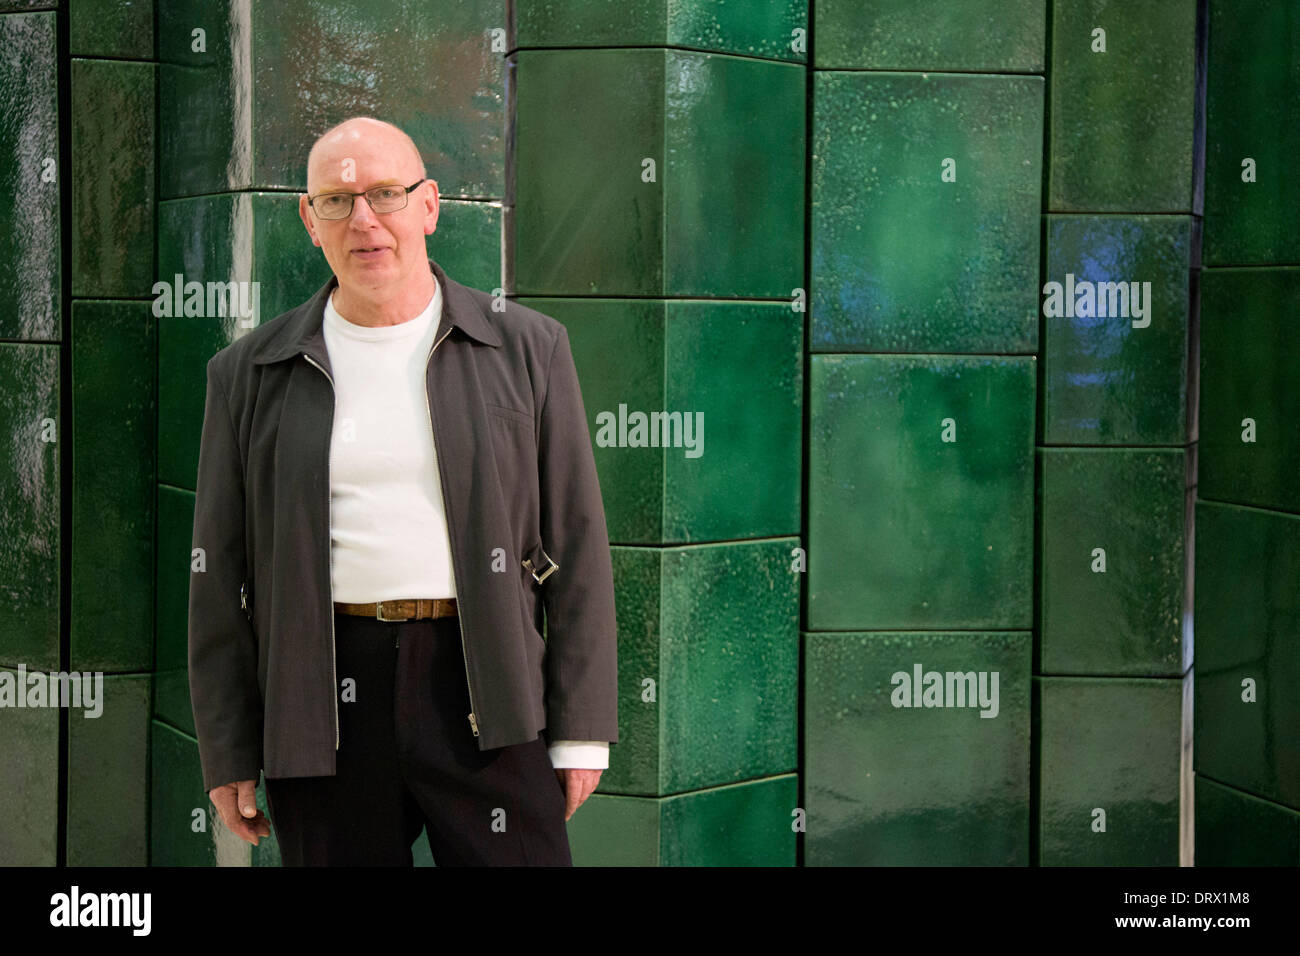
(303,329)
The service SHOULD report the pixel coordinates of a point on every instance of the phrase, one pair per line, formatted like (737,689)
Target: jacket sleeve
(581,641)
(224,691)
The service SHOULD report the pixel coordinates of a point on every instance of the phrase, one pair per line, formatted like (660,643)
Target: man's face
(369,250)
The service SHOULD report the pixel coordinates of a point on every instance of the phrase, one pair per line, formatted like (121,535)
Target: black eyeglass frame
(366,192)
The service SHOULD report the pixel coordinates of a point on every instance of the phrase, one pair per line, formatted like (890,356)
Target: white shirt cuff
(580,754)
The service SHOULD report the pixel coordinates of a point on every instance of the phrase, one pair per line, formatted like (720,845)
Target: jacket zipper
(329,514)
(473,720)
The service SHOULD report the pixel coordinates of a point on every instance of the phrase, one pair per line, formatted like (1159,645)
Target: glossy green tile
(899,775)
(267,850)
(114,437)
(744,824)
(1120,378)
(973,35)
(905,257)
(1108,771)
(708,666)
(1122,119)
(725,136)
(1248,650)
(244,237)
(734,373)
(1114,561)
(468,243)
(29,178)
(175,537)
(31,423)
(300,68)
(1249,392)
(1253,75)
(751,27)
(113,149)
(29,740)
(180,813)
(116,28)
(1236,829)
(108,776)
(907,529)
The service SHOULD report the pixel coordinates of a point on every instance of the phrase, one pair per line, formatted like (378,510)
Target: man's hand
(237,804)
(578,785)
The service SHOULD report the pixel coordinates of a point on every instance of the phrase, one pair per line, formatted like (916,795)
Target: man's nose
(362,214)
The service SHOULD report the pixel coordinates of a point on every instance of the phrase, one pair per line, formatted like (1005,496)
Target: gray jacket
(522,499)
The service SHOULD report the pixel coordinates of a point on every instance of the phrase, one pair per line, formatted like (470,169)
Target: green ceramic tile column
(181,816)
(29,787)
(1247,530)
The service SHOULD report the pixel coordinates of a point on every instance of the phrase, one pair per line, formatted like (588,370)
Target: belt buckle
(545,574)
(379,612)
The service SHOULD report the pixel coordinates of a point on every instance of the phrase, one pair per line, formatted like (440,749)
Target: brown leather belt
(401,609)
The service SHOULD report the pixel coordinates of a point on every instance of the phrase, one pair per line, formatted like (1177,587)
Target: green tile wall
(842,259)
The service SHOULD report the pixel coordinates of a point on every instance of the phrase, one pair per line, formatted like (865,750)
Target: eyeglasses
(382,199)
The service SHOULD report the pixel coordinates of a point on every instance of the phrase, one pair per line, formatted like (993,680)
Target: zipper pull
(473,724)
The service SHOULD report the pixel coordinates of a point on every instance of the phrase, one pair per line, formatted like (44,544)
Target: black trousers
(407,758)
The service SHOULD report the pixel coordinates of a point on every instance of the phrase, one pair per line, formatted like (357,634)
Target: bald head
(358,134)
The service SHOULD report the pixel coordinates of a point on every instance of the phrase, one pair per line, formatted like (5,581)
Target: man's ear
(431,206)
(304,213)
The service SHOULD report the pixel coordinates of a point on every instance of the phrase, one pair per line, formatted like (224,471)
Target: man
(395,483)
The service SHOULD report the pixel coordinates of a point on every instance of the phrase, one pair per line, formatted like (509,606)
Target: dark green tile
(1248,629)
(29,786)
(287,268)
(1117,378)
(744,824)
(1236,829)
(29,177)
(903,261)
(108,776)
(114,443)
(301,68)
(468,243)
(974,35)
(117,28)
(1111,745)
(175,537)
(1250,349)
(708,666)
(1253,80)
(907,530)
(429,67)
(1122,120)
(943,783)
(1114,561)
(181,815)
(725,135)
(734,367)
(31,422)
(765,28)
(113,148)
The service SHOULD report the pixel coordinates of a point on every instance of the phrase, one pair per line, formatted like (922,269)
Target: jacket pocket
(510,414)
